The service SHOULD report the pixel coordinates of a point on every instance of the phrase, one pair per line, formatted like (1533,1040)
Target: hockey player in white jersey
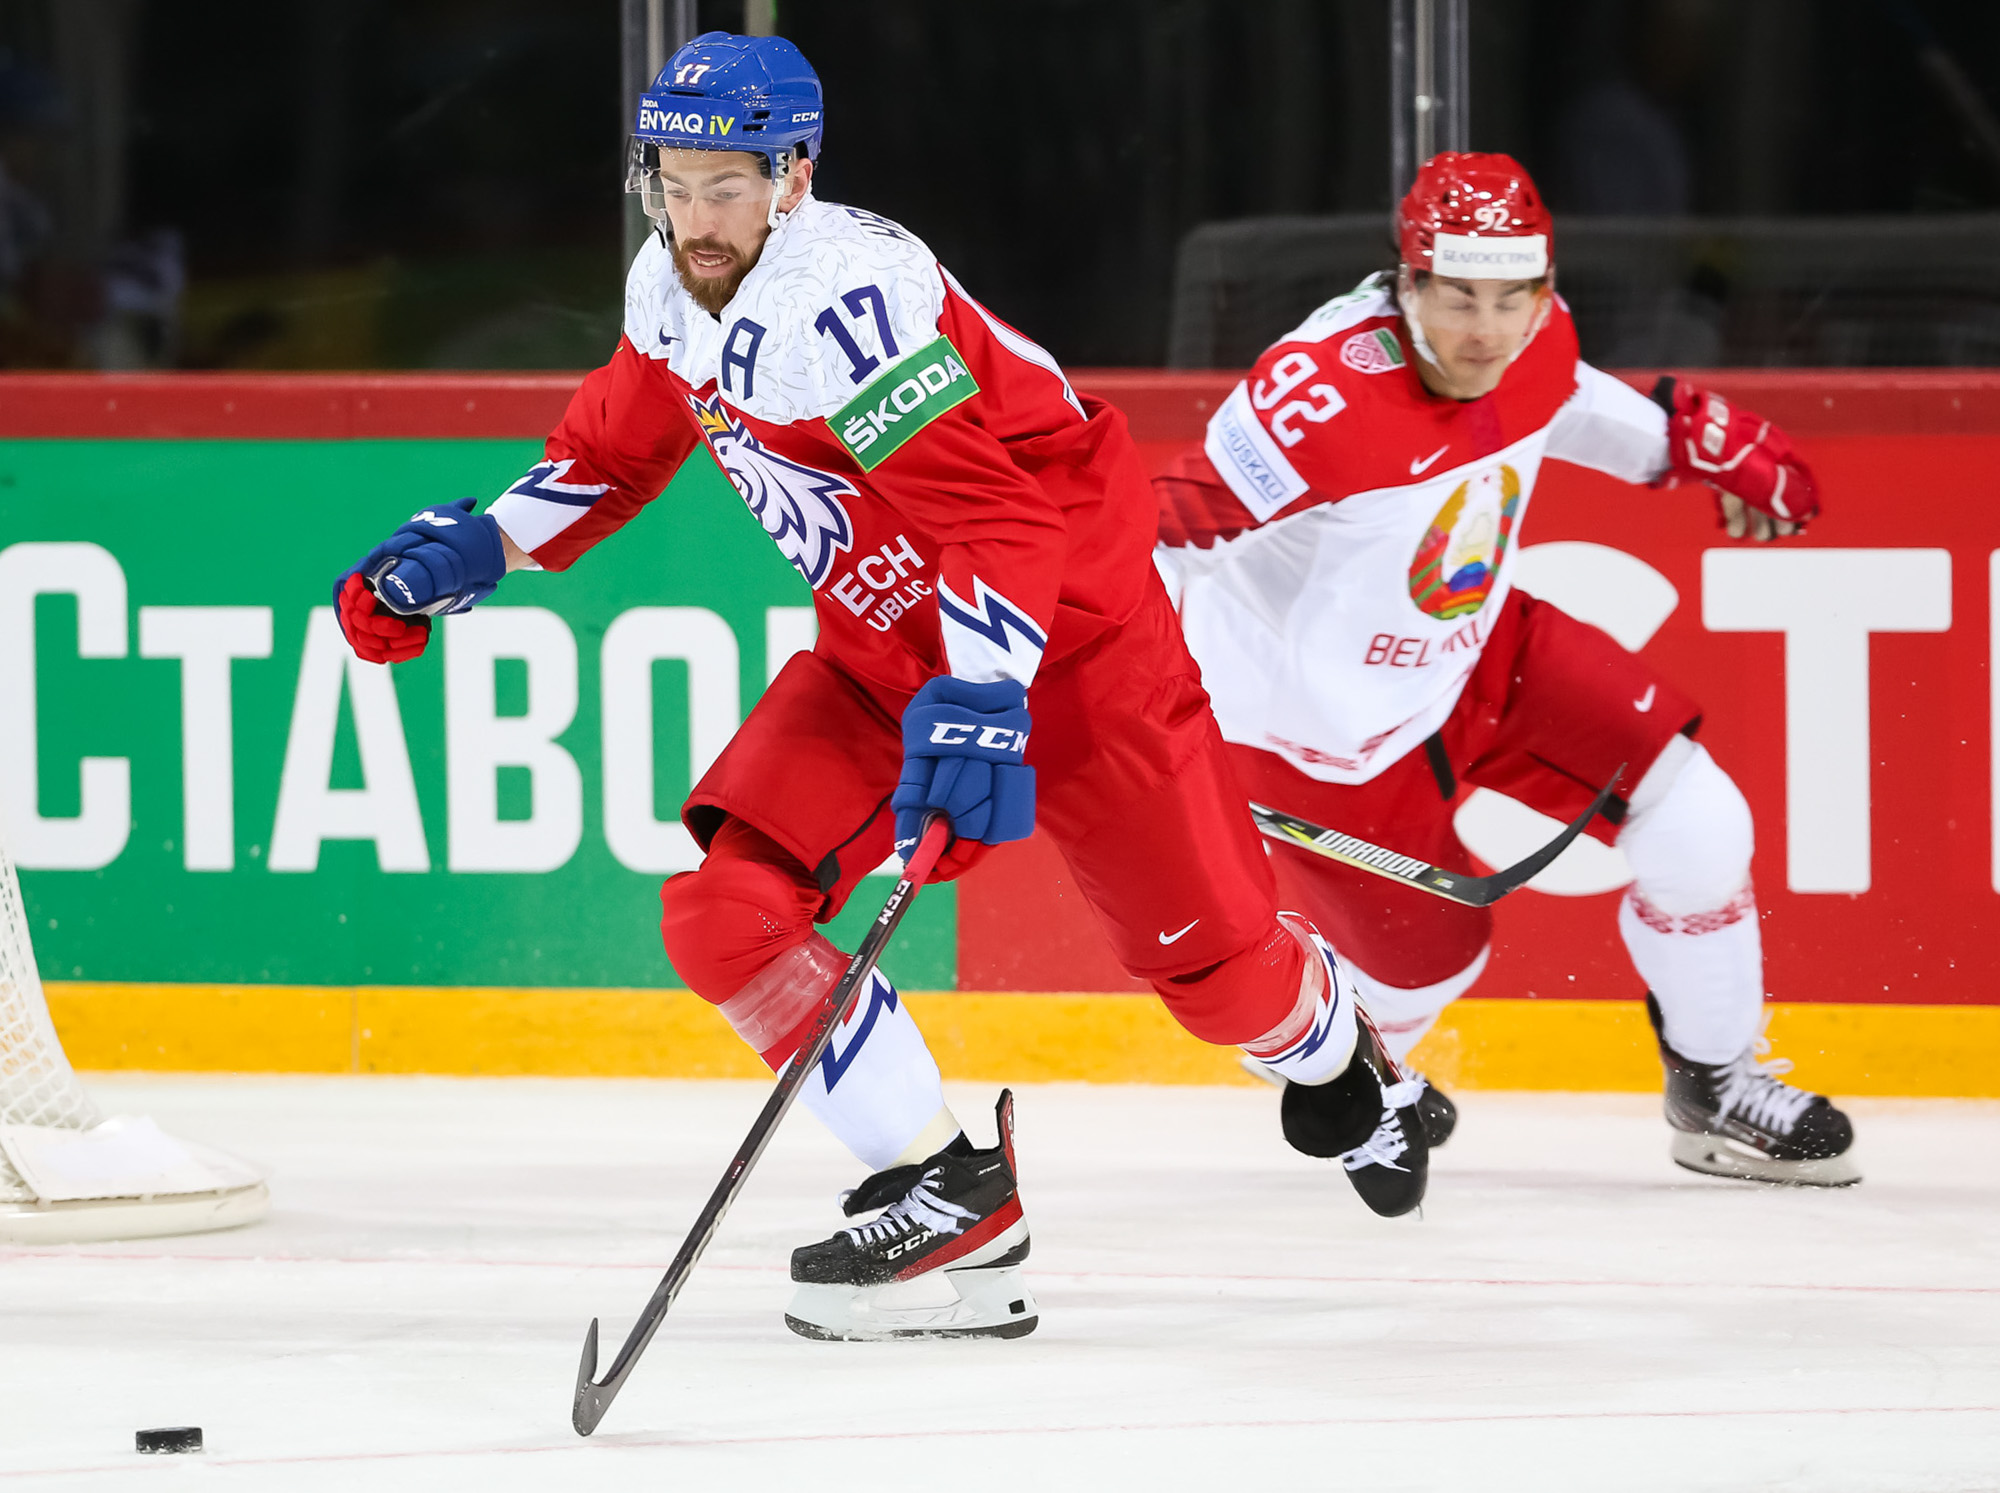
(978,538)
(1341,551)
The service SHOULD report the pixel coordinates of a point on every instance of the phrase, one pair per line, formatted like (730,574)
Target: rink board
(1011,1037)
(1873,777)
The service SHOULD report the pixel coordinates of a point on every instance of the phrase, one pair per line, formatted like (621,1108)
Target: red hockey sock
(1244,996)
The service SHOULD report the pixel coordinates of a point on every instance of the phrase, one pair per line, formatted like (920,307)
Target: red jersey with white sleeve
(955,506)
(1341,545)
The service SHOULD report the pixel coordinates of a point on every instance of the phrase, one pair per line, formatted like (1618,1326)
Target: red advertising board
(1845,676)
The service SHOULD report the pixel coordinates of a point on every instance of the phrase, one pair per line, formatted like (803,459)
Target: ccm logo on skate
(990,738)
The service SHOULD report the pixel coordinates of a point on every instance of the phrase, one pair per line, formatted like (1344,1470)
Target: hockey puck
(169,1439)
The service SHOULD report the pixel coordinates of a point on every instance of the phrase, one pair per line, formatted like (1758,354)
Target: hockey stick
(593,1395)
(1453,886)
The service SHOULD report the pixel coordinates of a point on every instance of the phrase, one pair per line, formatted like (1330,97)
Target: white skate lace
(1388,1142)
(919,1208)
(1750,1091)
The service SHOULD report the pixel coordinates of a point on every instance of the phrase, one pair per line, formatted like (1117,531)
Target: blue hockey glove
(445,559)
(963,746)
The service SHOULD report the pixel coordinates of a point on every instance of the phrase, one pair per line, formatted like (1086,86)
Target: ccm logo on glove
(963,745)
(991,738)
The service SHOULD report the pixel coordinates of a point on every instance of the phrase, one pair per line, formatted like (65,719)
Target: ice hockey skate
(1437,1112)
(1369,1121)
(1434,1107)
(941,1258)
(1740,1120)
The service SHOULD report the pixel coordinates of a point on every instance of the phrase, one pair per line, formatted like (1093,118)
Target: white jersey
(952,502)
(1342,548)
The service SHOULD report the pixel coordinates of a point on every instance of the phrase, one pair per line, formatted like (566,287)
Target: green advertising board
(200,784)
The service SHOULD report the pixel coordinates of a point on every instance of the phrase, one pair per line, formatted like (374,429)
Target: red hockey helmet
(1475,215)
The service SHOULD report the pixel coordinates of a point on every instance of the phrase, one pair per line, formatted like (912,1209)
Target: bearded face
(711,270)
(718,205)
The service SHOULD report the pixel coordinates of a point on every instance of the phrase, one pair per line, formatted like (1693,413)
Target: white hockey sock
(1402,1016)
(877,1087)
(1315,1042)
(1689,919)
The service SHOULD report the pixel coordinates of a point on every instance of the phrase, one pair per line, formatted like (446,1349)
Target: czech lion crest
(799,506)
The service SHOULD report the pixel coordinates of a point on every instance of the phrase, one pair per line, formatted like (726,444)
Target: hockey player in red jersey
(1340,552)
(978,539)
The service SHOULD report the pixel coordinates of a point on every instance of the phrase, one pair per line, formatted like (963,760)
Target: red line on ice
(642,1442)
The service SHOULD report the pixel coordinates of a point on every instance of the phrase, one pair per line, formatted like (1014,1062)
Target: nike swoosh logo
(1645,702)
(1417,467)
(1177,937)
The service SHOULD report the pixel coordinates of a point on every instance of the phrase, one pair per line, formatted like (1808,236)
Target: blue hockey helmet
(725,92)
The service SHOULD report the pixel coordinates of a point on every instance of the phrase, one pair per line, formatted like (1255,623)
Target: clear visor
(663,173)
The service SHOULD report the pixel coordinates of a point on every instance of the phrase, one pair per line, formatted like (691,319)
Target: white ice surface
(1571,1313)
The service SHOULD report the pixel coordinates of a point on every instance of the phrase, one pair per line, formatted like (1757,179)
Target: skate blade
(1718,1156)
(942,1303)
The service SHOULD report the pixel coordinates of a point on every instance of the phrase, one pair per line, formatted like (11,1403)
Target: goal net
(67,1172)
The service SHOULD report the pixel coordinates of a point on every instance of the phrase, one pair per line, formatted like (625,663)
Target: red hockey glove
(1740,455)
(375,633)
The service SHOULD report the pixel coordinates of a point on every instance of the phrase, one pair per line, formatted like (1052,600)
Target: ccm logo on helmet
(992,738)
(673,122)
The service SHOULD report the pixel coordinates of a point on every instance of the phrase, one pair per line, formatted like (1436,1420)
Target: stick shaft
(593,1398)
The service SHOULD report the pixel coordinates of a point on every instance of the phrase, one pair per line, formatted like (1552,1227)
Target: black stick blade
(591,1399)
(1500,883)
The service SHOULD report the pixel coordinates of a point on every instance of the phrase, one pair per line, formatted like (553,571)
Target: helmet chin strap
(1406,301)
(781,180)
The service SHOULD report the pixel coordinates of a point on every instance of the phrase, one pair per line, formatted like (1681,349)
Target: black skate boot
(1367,1119)
(1434,1106)
(941,1259)
(1438,1113)
(1737,1120)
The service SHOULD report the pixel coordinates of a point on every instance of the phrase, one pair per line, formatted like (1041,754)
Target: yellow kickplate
(205,1028)
(1090,1038)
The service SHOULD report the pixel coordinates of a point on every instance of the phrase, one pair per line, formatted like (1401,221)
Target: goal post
(69,1174)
